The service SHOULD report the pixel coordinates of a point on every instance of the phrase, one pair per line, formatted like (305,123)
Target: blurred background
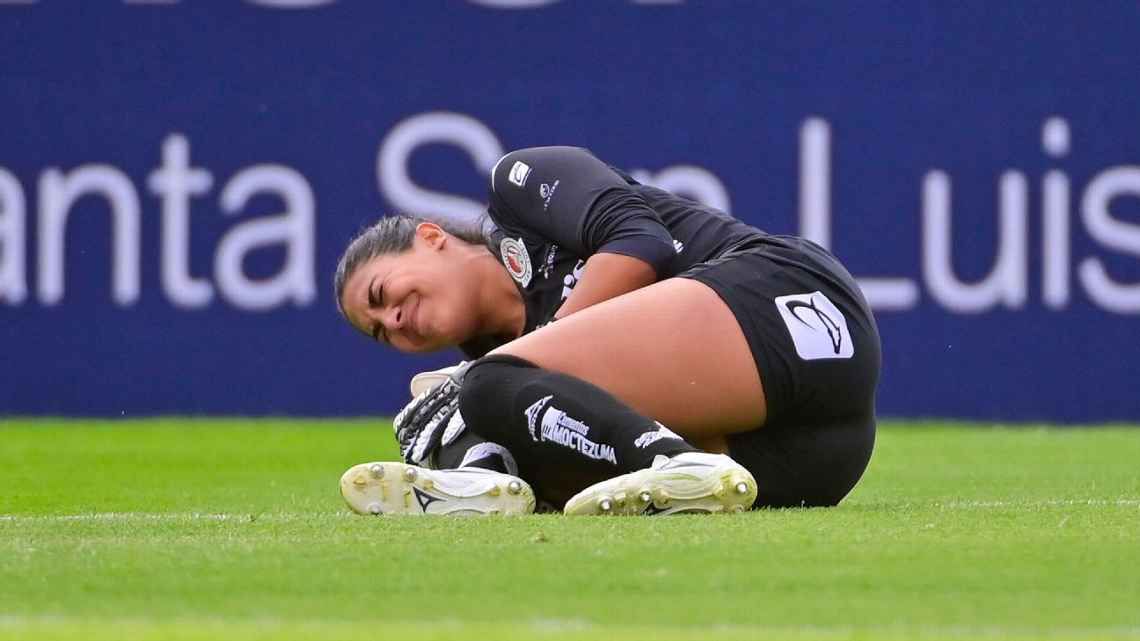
(178,178)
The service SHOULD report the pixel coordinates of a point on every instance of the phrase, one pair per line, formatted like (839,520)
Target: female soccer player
(635,353)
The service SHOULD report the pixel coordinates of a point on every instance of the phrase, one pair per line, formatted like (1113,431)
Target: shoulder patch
(520,171)
(516,259)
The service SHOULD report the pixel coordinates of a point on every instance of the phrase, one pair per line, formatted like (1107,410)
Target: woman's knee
(687,341)
(487,396)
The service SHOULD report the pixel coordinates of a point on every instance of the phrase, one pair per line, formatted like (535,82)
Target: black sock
(565,433)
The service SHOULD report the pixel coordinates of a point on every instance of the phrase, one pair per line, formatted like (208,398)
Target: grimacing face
(419,300)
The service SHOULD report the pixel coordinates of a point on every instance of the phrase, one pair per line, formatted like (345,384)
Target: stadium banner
(177,180)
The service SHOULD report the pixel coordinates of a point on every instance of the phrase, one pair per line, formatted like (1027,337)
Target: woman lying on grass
(634,352)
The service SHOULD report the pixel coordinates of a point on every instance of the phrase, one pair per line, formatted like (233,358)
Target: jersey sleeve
(569,197)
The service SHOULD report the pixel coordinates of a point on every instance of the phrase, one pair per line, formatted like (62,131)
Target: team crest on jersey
(516,259)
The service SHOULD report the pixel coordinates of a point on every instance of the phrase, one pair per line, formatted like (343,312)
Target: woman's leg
(565,433)
(579,407)
(672,351)
(675,352)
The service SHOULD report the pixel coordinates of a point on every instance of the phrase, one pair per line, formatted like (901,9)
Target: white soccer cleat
(398,488)
(688,482)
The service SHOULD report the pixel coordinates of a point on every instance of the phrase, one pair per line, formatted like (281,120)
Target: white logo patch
(649,438)
(519,173)
(818,328)
(517,260)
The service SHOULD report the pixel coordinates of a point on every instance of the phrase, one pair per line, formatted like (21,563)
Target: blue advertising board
(177,180)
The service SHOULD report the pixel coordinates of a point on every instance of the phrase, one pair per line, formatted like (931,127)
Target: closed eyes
(376,299)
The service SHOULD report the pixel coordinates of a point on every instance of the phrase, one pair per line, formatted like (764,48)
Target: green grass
(194,529)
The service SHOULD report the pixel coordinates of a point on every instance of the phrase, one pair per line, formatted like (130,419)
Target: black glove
(430,419)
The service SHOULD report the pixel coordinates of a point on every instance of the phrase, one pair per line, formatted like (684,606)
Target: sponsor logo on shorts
(516,259)
(649,438)
(558,427)
(818,328)
(678,246)
(518,174)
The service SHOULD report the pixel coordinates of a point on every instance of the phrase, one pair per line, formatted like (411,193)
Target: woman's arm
(604,277)
(570,198)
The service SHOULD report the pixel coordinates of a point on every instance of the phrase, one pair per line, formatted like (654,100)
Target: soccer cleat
(688,482)
(398,488)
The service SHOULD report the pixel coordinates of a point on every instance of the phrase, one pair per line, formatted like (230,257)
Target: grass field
(190,529)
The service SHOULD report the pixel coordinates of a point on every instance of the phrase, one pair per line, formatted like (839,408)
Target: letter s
(397,147)
(1112,233)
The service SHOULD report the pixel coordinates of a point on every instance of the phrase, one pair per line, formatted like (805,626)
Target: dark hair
(393,235)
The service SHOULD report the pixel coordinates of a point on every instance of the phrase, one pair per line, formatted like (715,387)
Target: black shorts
(817,351)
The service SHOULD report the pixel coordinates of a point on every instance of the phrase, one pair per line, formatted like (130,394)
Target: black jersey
(554,207)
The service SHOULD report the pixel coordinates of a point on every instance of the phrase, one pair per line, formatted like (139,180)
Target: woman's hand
(431,419)
(424,381)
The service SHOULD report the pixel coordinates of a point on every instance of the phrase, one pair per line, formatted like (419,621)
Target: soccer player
(634,352)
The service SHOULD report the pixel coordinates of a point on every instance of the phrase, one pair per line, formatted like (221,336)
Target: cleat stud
(742,488)
(662,498)
(514,487)
(360,481)
(494,491)
(645,496)
(375,508)
(428,484)
(738,508)
(377,470)
(605,505)
(410,474)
